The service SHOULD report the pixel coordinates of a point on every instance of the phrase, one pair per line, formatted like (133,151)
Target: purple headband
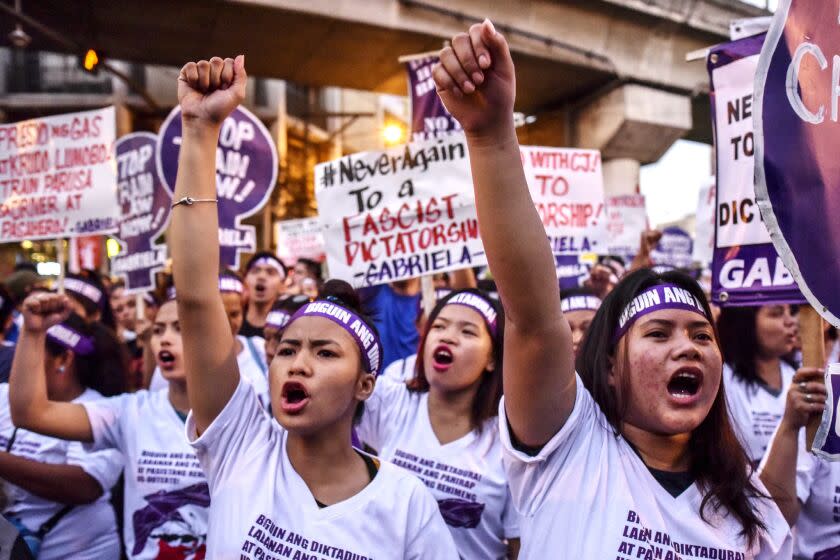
(269,261)
(478,304)
(71,339)
(84,289)
(369,345)
(580,303)
(230,284)
(657,298)
(277,319)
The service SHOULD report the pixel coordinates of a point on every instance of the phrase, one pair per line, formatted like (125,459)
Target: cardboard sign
(58,176)
(429,118)
(246,173)
(145,205)
(746,270)
(399,213)
(674,250)
(567,187)
(626,221)
(797,170)
(298,239)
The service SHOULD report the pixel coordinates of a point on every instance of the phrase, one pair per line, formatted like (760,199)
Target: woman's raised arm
(29,404)
(477,83)
(208,92)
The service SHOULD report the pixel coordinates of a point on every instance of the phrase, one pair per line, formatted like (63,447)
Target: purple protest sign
(145,204)
(797,169)
(674,249)
(571,271)
(246,172)
(429,118)
(746,269)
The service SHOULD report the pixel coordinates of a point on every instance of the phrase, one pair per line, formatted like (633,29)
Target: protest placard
(429,118)
(674,250)
(246,173)
(399,213)
(567,187)
(746,270)
(626,221)
(796,174)
(299,239)
(58,176)
(145,205)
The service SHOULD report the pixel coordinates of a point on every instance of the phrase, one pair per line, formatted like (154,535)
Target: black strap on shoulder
(11,441)
(53,521)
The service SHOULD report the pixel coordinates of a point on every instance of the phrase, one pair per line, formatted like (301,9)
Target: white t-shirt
(262,509)
(166,495)
(818,488)
(87,531)
(252,368)
(401,370)
(756,410)
(587,494)
(466,476)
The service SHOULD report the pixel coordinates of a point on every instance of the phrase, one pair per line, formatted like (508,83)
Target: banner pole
(427,288)
(813,355)
(59,250)
(140,305)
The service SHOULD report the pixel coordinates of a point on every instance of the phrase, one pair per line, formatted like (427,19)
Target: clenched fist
(209,90)
(476,81)
(42,310)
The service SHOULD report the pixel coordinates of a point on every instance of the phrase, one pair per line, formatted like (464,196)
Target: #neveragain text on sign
(58,176)
(399,213)
(145,206)
(797,122)
(746,270)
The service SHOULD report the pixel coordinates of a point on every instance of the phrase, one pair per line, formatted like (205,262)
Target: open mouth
(685,383)
(166,359)
(442,357)
(294,397)
(259,289)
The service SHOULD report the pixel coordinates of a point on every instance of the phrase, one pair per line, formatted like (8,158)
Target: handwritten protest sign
(246,173)
(746,270)
(797,169)
(626,221)
(704,234)
(58,176)
(145,205)
(567,187)
(429,118)
(399,213)
(298,239)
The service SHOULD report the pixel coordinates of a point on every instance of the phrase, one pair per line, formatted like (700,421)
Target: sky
(672,185)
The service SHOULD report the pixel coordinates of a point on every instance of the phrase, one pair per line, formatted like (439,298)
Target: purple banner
(246,173)
(746,269)
(797,169)
(571,273)
(145,204)
(827,439)
(674,249)
(429,118)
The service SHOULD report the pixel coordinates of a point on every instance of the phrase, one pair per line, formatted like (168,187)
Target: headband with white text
(82,288)
(579,303)
(71,339)
(657,298)
(269,261)
(478,304)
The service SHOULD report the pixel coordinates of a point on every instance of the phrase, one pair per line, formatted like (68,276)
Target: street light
(90,61)
(393,134)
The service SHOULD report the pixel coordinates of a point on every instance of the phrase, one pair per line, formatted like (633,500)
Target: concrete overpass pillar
(632,125)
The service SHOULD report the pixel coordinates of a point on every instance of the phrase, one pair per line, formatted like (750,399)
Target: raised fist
(209,91)
(476,81)
(42,310)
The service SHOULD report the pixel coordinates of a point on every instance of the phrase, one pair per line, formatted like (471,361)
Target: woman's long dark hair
(105,369)
(739,342)
(719,463)
(486,403)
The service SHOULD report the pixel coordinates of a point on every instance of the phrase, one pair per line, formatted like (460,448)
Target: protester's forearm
(27,381)
(514,237)
(193,234)
(66,484)
(778,472)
